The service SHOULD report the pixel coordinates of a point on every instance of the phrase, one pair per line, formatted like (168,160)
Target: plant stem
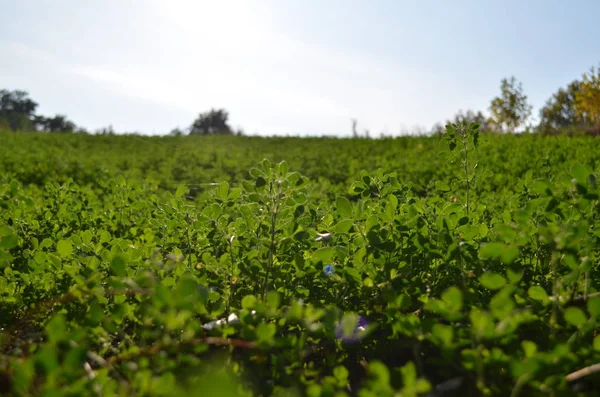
(466,164)
(272,243)
(231,285)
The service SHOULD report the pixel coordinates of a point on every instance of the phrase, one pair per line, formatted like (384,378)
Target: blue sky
(289,67)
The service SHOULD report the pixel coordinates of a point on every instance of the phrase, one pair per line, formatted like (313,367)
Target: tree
(211,123)
(176,132)
(17,110)
(587,98)
(354,130)
(58,123)
(510,109)
(560,111)
(106,131)
(486,124)
(471,117)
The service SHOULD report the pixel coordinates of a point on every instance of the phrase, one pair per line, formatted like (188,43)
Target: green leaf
(353,274)
(64,248)
(234,193)
(56,329)
(265,333)
(443,334)
(453,299)
(117,265)
(314,390)
(482,323)
(502,303)
(266,164)
(340,373)
(483,230)
(6,231)
(580,172)
(256,172)
(492,281)
(344,226)
(324,254)
(541,187)
(181,191)
(442,186)
(537,293)
(282,169)
(47,358)
(593,306)
(105,236)
(379,373)
(273,299)
(222,191)
(9,242)
(260,181)
(597,343)
(529,347)
(575,316)
(344,207)
(452,208)
(409,374)
(249,302)
(95,314)
(513,277)
(506,253)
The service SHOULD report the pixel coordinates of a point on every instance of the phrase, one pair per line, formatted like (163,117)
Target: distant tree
(471,117)
(17,110)
(354,130)
(17,101)
(587,98)
(560,111)
(511,109)
(106,131)
(438,128)
(58,123)
(176,132)
(467,118)
(213,122)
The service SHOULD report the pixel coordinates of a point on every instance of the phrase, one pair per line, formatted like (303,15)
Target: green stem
(466,165)
(275,205)
(231,269)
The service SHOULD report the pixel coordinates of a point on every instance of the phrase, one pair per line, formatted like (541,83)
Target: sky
(282,67)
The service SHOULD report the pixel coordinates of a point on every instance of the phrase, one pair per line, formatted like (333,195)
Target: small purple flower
(329,270)
(351,328)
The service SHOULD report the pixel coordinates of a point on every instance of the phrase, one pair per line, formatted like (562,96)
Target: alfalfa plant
(279,194)
(466,139)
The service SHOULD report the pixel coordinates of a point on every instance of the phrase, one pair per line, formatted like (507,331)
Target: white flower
(323,237)
(232,319)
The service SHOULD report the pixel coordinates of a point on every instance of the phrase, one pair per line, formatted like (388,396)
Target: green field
(475,271)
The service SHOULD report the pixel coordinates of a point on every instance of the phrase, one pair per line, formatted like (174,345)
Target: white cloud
(193,55)
(24,52)
(227,54)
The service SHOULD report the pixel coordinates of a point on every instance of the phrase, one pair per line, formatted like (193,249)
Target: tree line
(18,113)
(575,107)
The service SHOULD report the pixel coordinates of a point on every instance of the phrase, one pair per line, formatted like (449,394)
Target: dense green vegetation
(475,269)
